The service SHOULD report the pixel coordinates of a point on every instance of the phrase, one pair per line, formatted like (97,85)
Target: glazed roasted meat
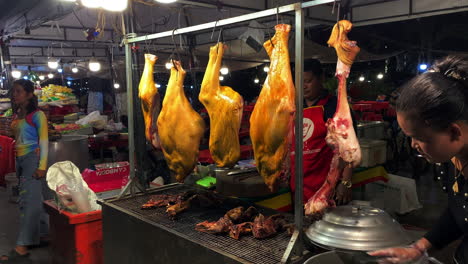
(221,226)
(236,231)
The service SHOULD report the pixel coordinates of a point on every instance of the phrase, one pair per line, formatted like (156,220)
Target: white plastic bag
(94,119)
(72,191)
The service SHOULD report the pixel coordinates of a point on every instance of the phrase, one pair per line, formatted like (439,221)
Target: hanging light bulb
(256,80)
(114,5)
(41,77)
(50,75)
(221,78)
(69,83)
(224,70)
(361,79)
(16,74)
(53,63)
(166,1)
(91,3)
(379,76)
(60,70)
(94,65)
(75,69)
(169,65)
(266,68)
(116,85)
(26,77)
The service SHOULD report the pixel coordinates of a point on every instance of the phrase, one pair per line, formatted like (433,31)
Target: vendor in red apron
(319,106)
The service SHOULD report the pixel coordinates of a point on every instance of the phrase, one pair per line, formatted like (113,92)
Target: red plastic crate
(76,238)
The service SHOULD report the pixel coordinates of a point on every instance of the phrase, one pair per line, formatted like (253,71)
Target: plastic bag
(72,191)
(94,119)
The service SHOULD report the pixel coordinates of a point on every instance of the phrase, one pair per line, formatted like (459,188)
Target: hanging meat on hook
(180,127)
(150,101)
(224,106)
(273,115)
(341,136)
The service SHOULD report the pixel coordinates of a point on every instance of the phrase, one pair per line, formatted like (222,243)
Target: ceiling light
(41,77)
(91,3)
(53,63)
(266,69)
(50,75)
(60,70)
(224,70)
(379,76)
(166,1)
(221,78)
(94,65)
(16,74)
(361,79)
(158,85)
(423,66)
(114,5)
(25,77)
(256,80)
(169,65)
(69,83)
(74,69)
(116,85)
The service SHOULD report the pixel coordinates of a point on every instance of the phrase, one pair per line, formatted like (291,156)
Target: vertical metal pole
(130,111)
(299,69)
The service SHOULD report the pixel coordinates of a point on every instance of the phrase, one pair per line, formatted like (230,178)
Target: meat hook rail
(296,244)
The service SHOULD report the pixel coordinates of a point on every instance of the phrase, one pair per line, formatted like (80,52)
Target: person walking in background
(31,134)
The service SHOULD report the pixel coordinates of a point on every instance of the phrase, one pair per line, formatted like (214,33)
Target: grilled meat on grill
(235,214)
(263,228)
(241,229)
(221,226)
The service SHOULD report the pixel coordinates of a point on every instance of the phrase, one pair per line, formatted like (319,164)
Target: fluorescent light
(41,77)
(116,85)
(379,76)
(91,3)
(16,74)
(50,75)
(94,65)
(114,5)
(224,70)
(53,64)
(256,80)
(361,79)
(168,65)
(221,78)
(266,69)
(74,69)
(166,1)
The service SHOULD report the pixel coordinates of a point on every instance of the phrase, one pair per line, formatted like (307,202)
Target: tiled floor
(430,194)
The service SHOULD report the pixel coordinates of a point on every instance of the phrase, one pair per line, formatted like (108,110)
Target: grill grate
(247,248)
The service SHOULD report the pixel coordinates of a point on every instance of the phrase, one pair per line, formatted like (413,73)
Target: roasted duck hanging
(341,136)
(180,127)
(150,101)
(224,106)
(272,117)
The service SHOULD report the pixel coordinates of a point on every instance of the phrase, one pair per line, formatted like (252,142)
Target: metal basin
(333,257)
(73,148)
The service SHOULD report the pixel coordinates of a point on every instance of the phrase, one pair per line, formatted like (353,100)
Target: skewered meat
(224,106)
(150,101)
(180,127)
(263,228)
(219,227)
(241,229)
(340,132)
(272,117)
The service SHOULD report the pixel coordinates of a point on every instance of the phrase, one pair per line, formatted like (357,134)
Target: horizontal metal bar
(316,3)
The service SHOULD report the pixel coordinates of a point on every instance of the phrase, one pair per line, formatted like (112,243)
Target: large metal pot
(73,148)
(333,257)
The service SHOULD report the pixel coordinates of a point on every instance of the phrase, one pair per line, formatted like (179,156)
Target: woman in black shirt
(432,109)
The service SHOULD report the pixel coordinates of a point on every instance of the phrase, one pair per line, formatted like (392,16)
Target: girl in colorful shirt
(30,129)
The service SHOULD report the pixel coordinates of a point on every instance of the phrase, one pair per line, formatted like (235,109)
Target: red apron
(317,155)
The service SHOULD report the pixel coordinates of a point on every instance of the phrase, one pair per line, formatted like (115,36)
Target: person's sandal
(14,257)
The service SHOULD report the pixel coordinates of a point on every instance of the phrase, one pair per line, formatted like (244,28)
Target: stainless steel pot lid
(357,227)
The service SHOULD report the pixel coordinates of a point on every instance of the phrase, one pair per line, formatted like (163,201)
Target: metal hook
(277,14)
(175,47)
(214,28)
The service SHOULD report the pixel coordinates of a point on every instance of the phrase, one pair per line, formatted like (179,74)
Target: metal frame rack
(296,243)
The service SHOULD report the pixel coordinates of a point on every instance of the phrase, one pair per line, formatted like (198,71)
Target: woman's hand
(403,255)
(39,174)
(343,194)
